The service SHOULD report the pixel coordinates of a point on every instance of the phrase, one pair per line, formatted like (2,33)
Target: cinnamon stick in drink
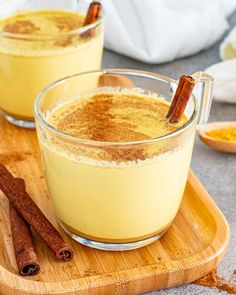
(176,96)
(22,202)
(181,98)
(93,13)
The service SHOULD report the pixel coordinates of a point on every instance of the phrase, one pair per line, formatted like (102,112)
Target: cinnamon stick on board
(25,252)
(22,202)
(181,98)
(93,13)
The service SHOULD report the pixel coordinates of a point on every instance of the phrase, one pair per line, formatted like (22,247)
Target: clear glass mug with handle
(118,195)
(40,42)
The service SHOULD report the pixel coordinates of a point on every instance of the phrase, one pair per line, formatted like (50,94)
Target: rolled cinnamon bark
(22,202)
(181,98)
(93,13)
(25,252)
(176,96)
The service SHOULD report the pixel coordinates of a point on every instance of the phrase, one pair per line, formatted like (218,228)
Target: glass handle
(203,92)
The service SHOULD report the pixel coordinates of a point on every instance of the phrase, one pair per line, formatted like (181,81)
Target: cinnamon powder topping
(21,27)
(59,27)
(114,117)
(42,22)
(65,23)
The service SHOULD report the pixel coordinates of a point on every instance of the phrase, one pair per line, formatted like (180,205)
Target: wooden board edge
(34,287)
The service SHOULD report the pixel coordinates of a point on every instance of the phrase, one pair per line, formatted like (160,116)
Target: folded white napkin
(156,31)
(225,80)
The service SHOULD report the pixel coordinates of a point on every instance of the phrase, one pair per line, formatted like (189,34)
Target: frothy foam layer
(113,117)
(48,24)
(42,22)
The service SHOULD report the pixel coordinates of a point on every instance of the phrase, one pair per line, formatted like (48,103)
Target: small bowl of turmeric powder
(220,136)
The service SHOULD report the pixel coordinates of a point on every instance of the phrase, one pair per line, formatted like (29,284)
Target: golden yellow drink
(109,193)
(37,48)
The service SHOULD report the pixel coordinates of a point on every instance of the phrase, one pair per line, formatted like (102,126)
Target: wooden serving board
(193,246)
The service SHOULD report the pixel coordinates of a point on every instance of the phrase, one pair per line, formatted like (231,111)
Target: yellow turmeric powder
(223,134)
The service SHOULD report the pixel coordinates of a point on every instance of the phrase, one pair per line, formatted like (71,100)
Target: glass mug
(29,62)
(109,205)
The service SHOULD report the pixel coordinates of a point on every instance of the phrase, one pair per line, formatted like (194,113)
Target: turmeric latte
(115,193)
(114,117)
(37,48)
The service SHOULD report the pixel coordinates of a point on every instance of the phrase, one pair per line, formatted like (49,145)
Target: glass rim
(39,116)
(45,37)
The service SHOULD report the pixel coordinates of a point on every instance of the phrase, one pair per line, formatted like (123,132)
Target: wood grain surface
(193,246)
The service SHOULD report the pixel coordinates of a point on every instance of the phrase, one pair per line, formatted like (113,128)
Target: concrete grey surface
(217,171)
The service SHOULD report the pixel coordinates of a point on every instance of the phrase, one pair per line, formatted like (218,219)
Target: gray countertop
(217,171)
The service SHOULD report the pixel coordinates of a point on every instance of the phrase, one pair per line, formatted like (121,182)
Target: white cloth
(224,74)
(157,31)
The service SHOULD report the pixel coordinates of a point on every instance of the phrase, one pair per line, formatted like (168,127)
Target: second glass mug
(30,62)
(109,205)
